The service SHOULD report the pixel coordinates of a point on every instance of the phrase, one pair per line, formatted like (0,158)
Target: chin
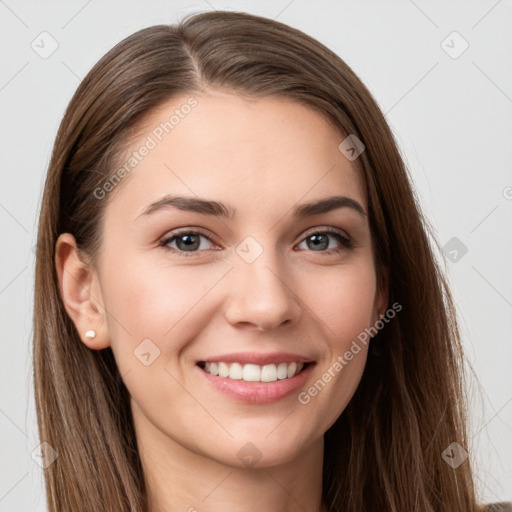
(259,451)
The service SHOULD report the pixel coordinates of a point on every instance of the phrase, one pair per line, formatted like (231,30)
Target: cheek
(154,302)
(345,306)
(344,301)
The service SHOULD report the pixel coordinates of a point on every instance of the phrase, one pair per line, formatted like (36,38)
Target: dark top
(499,507)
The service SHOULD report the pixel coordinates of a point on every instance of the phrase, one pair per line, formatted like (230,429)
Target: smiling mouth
(253,372)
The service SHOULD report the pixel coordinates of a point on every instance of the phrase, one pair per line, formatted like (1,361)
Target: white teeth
(254,372)
(251,373)
(223,370)
(282,371)
(269,373)
(235,371)
(292,368)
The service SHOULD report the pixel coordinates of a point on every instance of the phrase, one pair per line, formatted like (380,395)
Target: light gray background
(452,119)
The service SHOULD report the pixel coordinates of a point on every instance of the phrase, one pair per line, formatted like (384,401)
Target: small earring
(90,335)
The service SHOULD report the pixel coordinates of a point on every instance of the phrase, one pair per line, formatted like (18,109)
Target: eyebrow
(209,207)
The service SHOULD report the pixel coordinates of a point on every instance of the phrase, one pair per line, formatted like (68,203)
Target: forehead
(250,152)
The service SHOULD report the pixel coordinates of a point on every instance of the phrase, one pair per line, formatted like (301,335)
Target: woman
(237,305)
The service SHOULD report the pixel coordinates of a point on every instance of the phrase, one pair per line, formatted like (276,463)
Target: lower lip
(258,392)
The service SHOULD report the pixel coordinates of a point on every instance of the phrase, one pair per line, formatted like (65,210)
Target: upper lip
(258,358)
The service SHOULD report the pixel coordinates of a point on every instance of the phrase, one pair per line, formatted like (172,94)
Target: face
(252,285)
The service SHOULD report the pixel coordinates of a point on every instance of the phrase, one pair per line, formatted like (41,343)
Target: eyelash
(345,242)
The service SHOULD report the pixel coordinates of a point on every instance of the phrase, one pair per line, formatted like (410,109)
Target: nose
(262,293)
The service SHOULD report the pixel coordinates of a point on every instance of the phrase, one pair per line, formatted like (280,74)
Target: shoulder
(498,507)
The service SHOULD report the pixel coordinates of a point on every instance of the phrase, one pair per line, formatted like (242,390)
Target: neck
(181,480)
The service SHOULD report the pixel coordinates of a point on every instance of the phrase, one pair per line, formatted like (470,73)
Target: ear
(81,292)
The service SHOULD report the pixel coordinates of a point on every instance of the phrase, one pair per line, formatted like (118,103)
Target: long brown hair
(384,453)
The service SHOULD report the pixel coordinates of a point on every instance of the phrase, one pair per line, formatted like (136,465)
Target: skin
(263,157)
